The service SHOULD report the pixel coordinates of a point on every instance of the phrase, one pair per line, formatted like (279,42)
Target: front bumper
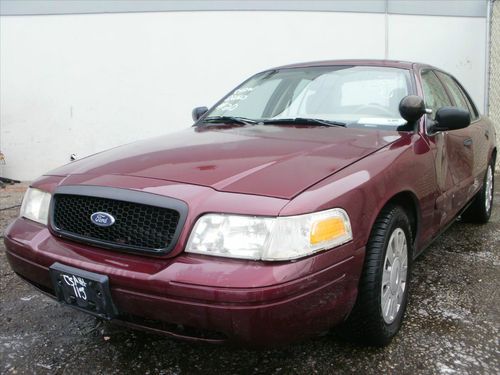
(203,298)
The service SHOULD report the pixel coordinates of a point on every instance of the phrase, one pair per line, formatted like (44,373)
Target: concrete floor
(451,327)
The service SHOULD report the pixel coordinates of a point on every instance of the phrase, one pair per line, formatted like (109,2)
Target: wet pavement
(452,325)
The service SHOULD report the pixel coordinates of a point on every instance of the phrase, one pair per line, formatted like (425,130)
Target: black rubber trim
(123,195)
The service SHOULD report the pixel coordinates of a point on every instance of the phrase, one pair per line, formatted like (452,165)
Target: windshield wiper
(303,121)
(229,119)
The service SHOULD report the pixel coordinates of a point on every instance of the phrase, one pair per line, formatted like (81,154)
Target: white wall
(84,83)
(454,44)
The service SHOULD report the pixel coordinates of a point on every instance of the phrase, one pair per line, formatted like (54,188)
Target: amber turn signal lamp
(327,230)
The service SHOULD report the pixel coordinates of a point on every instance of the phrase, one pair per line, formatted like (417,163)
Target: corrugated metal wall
(494,105)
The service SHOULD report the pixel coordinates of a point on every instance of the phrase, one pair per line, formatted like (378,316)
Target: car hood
(276,161)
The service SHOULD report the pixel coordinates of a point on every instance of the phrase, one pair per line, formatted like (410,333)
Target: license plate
(83,290)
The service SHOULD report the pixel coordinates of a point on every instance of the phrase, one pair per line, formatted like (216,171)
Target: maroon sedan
(297,203)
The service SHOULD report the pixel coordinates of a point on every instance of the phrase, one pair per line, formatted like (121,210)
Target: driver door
(453,158)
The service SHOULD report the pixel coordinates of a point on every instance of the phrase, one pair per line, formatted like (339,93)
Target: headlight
(269,238)
(36,205)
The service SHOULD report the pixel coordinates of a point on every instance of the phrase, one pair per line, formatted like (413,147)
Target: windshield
(359,96)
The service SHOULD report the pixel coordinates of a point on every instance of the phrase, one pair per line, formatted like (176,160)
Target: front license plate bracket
(83,290)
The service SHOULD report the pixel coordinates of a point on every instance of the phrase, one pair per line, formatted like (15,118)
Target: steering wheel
(373,106)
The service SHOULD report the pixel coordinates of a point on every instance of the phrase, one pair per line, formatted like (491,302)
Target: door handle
(468,142)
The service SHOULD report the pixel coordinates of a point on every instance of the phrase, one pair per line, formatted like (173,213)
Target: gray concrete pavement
(451,327)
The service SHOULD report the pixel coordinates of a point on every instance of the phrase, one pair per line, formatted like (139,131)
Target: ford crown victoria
(297,203)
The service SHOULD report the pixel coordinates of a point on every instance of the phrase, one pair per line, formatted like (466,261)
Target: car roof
(364,62)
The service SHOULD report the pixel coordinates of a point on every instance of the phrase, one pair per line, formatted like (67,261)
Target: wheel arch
(409,202)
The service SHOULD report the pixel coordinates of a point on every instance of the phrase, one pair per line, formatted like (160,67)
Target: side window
(474,114)
(434,93)
(456,93)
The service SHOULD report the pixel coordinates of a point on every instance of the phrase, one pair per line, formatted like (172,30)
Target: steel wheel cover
(488,197)
(394,276)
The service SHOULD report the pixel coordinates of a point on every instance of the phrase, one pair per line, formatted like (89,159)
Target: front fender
(365,187)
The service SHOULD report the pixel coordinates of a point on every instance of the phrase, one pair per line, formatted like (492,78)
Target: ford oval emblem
(102,219)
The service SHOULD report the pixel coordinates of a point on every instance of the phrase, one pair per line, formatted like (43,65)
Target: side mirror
(198,112)
(411,108)
(451,118)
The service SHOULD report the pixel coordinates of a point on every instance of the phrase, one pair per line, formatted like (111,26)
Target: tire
(480,209)
(368,322)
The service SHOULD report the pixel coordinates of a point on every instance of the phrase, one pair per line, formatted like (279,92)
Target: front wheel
(384,284)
